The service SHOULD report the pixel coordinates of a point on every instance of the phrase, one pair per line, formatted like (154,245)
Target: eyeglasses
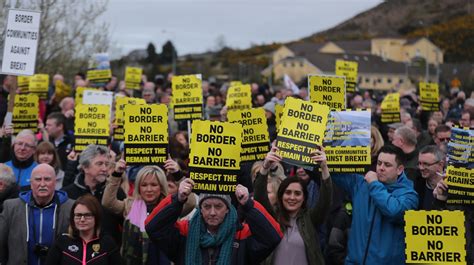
(23,144)
(444,139)
(424,164)
(87,216)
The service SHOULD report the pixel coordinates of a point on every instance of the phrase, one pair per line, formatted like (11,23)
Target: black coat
(69,250)
(111,223)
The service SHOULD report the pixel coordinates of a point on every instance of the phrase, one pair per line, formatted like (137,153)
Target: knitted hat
(225,198)
(269,106)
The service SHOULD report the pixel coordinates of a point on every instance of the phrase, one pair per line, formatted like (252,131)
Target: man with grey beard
(95,164)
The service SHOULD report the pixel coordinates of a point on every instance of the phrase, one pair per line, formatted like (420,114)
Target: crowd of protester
(58,206)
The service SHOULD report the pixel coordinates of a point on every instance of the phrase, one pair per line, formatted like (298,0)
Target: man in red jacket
(214,235)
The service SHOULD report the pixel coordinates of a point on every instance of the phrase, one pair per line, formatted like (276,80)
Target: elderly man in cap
(214,235)
(30,223)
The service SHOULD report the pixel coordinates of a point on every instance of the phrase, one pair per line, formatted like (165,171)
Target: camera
(41,250)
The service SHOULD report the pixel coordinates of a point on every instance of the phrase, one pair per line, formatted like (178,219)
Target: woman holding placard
(300,243)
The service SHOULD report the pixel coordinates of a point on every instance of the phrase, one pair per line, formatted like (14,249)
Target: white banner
(21,42)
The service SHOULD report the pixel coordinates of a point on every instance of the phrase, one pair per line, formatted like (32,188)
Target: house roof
(305,48)
(366,63)
(354,46)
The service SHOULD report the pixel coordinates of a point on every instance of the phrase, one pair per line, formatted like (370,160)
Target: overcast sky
(195,25)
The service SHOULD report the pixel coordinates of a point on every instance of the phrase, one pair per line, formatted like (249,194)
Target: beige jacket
(110,201)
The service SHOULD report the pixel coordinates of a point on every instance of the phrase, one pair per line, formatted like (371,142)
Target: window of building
(400,81)
(284,64)
(292,64)
(301,64)
(367,80)
(389,80)
(379,80)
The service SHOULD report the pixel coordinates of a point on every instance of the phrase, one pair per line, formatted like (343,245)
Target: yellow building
(383,62)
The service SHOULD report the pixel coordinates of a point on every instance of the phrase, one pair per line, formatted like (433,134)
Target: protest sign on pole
(429,96)
(391,108)
(25,113)
(39,85)
(146,134)
(301,131)
(133,77)
(255,138)
(80,94)
(435,237)
(278,113)
(98,97)
(99,72)
(347,141)
(21,42)
(91,126)
(119,115)
(187,97)
(23,83)
(239,97)
(215,156)
(328,90)
(349,70)
(460,171)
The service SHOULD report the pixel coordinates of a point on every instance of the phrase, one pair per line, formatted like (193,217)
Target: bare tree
(69,32)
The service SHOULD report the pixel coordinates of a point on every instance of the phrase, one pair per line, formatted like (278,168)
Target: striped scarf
(198,238)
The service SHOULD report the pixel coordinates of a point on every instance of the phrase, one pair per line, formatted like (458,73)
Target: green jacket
(307,220)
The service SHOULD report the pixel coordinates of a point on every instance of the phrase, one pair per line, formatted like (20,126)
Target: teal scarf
(198,238)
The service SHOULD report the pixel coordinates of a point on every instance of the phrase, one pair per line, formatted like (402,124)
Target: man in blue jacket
(29,224)
(380,200)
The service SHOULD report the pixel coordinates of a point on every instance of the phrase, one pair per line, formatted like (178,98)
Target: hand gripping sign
(301,131)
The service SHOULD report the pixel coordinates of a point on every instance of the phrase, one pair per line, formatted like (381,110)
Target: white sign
(21,42)
(97,97)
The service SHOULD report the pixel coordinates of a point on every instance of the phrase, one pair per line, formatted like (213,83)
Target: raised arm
(321,210)
(109,199)
(260,184)
(392,205)
(162,225)
(262,229)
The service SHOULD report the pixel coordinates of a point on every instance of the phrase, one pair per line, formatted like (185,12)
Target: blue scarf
(198,238)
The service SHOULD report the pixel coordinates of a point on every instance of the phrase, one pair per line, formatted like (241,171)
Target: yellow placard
(146,134)
(349,70)
(62,90)
(119,117)
(187,97)
(235,83)
(239,97)
(461,185)
(80,94)
(92,125)
(429,96)
(391,108)
(215,155)
(435,237)
(97,76)
(255,137)
(23,83)
(301,131)
(39,84)
(278,114)
(133,77)
(25,113)
(328,90)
